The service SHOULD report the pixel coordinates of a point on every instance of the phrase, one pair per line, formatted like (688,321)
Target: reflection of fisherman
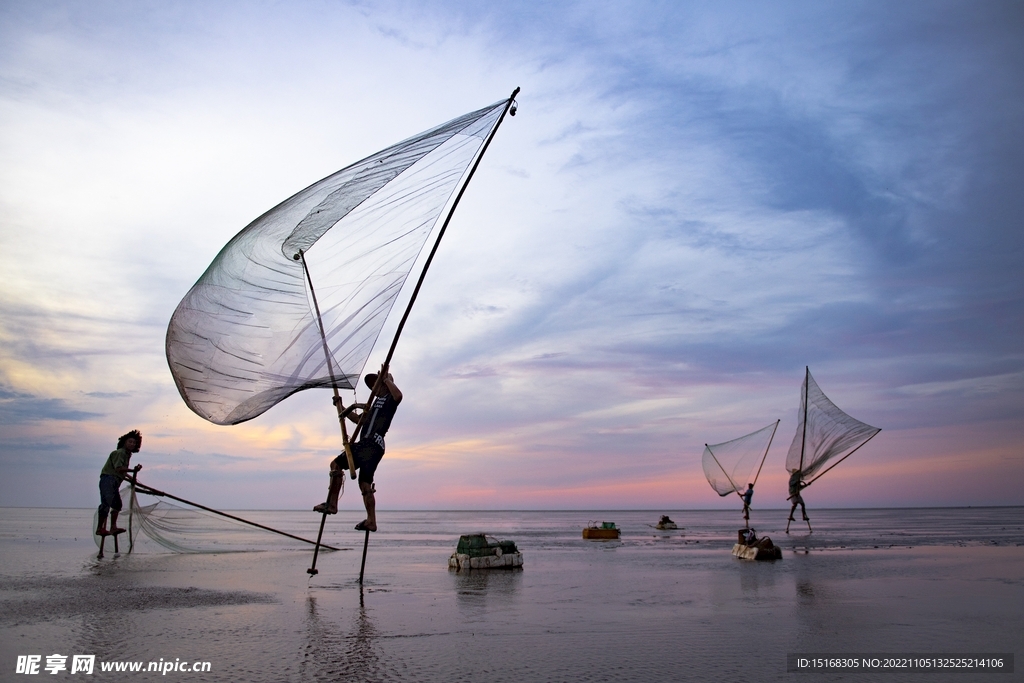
(747,496)
(111,476)
(367,451)
(796,484)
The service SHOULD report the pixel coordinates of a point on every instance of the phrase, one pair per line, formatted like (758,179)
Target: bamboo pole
(155,492)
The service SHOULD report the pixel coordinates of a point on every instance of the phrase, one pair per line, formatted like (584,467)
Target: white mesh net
(184,529)
(827,434)
(246,336)
(728,465)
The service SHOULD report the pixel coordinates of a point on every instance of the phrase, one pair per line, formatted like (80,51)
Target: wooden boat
(665,523)
(750,547)
(601,531)
(479,551)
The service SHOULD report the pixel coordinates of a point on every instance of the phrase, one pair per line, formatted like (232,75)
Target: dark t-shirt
(381,412)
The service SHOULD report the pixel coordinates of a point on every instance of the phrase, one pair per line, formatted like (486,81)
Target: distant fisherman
(367,452)
(747,496)
(111,476)
(796,484)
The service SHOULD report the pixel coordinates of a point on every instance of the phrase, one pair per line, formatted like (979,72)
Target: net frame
(727,465)
(824,433)
(246,337)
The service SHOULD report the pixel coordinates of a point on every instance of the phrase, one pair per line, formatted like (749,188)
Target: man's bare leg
(370,503)
(113,523)
(333,491)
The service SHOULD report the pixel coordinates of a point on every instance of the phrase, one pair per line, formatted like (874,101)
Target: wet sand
(655,606)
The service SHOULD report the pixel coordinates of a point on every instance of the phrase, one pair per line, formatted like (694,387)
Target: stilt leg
(103,542)
(809,529)
(316,551)
(788,523)
(362,565)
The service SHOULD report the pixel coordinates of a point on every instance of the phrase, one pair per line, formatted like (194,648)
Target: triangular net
(183,529)
(728,465)
(246,336)
(830,433)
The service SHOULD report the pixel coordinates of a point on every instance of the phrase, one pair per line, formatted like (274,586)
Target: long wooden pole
(405,316)
(330,369)
(154,492)
(772,437)
(448,218)
(807,396)
(842,458)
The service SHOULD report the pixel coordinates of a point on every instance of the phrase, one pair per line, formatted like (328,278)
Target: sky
(694,202)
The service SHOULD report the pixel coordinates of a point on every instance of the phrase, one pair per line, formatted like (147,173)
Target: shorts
(367,455)
(110,497)
(797,499)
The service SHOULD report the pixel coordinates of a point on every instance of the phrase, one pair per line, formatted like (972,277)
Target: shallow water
(654,606)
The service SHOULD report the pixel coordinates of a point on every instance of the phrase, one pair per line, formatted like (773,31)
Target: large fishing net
(728,465)
(827,434)
(246,335)
(183,529)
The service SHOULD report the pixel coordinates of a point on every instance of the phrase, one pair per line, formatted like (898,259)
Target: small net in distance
(728,465)
(828,434)
(246,336)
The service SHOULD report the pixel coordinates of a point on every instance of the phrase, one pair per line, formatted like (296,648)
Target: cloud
(19,408)
(693,203)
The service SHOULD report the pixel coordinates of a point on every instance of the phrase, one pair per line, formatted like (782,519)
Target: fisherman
(367,451)
(111,476)
(796,484)
(747,496)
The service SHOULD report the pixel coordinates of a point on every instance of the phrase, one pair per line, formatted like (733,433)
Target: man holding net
(368,450)
(111,476)
(748,495)
(796,484)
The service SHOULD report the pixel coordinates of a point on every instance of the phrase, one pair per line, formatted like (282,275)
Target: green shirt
(118,458)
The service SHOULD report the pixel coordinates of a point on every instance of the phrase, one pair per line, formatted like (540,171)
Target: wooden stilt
(312,571)
(362,565)
(117,550)
(103,542)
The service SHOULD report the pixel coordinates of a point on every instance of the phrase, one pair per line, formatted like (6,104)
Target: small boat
(479,551)
(750,547)
(601,531)
(665,523)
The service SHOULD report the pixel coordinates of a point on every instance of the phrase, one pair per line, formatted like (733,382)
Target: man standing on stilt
(111,476)
(367,451)
(748,495)
(796,484)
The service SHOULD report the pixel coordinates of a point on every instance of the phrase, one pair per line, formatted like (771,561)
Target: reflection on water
(757,577)
(335,650)
(482,589)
